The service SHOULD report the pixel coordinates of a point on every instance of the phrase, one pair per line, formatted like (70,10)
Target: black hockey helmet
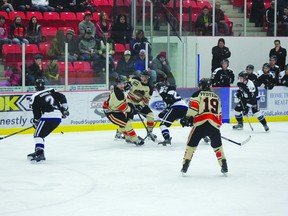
(204,84)
(145,73)
(250,67)
(121,79)
(39,84)
(159,85)
(243,74)
(266,65)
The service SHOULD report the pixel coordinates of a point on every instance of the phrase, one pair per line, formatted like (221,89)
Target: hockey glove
(65,113)
(239,94)
(34,122)
(162,114)
(186,121)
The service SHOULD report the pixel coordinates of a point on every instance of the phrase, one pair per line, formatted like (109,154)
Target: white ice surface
(90,174)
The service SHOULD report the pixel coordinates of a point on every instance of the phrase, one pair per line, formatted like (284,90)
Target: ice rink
(88,174)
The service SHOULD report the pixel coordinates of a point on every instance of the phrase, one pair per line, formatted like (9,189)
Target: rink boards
(86,112)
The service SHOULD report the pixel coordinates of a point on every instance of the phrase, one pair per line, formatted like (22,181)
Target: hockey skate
(266,128)
(224,168)
(138,143)
(151,136)
(165,142)
(118,136)
(37,156)
(185,166)
(239,126)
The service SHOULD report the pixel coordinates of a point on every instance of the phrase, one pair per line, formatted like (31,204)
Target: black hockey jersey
(171,97)
(222,78)
(249,92)
(47,104)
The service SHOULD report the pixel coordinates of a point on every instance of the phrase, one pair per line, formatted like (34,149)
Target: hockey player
(205,107)
(251,74)
(48,107)
(138,97)
(283,77)
(247,95)
(223,76)
(176,108)
(116,109)
(266,77)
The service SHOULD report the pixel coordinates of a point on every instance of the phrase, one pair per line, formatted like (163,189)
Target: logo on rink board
(97,104)
(14,103)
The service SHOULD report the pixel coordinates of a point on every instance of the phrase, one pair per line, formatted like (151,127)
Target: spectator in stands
(269,15)
(88,47)
(223,76)
(219,53)
(163,70)
(138,43)
(121,30)
(52,72)
(274,68)
(139,66)
(60,6)
(57,46)
(220,20)
(266,77)
(101,45)
(204,22)
(18,31)
(42,6)
(12,77)
(103,26)
(3,32)
(34,31)
(35,71)
(6,6)
(283,23)
(99,65)
(73,5)
(280,53)
(283,77)
(125,65)
(257,12)
(22,5)
(72,45)
(88,5)
(86,23)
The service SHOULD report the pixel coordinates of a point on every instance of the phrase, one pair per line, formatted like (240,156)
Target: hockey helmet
(39,84)
(243,74)
(204,84)
(250,67)
(121,79)
(160,85)
(145,73)
(266,65)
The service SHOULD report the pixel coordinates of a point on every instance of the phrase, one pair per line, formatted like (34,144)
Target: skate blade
(38,162)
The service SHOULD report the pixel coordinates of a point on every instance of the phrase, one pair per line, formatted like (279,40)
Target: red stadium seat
(65,29)
(85,74)
(30,51)
(52,19)
(37,14)
(11,53)
(71,73)
(13,14)
(69,19)
(48,33)
(43,47)
(96,16)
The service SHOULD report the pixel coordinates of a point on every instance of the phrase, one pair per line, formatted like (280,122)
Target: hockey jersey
(46,104)
(205,106)
(116,101)
(249,92)
(139,93)
(222,78)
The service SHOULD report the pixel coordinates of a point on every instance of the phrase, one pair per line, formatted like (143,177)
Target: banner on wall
(86,107)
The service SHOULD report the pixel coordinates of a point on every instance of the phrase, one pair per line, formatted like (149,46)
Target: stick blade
(246,141)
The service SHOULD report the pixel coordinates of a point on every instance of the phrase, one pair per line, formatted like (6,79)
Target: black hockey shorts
(173,114)
(240,108)
(117,118)
(206,129)
(46,126)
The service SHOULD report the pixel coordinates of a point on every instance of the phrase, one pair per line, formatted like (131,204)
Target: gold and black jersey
(139,93)
(116,101)
(205,106)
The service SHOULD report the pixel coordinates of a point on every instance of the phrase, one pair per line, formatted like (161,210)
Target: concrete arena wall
(86,109)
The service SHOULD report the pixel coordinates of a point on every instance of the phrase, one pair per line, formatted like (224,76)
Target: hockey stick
(246,115)
(16,133)
(160,119)
(148,133)
(237,143)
